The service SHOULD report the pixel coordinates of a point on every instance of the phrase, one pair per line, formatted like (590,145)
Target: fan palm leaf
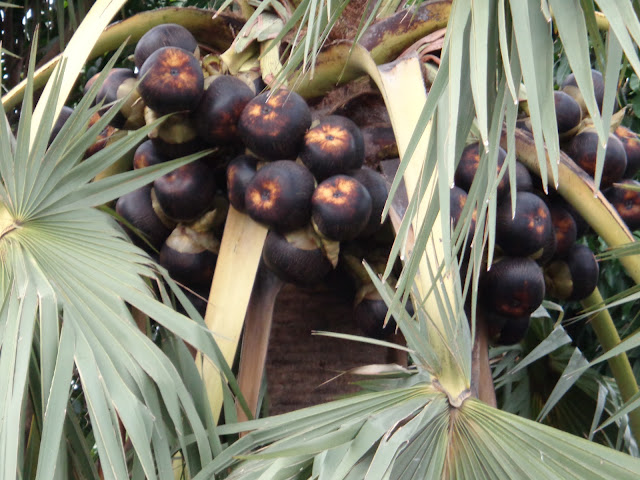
(70,280)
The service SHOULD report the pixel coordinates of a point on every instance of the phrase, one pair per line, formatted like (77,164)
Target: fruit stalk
(608,337)
(238,261)
(255,340)
(481,377)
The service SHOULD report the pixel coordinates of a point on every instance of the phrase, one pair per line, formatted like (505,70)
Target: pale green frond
(69,275)
(481,13)
(535,49)
(632,404)
(525,449)
(556,339)
(572,29)
(54,413)
(18,320)
(576,361)
(349,427)
(610,74)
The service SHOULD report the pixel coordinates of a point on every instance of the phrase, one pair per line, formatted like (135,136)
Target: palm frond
(69,279)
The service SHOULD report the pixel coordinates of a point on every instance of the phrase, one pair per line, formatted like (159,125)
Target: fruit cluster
(537,251)
(300,173)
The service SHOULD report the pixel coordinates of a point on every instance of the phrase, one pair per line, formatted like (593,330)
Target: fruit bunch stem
(608,337)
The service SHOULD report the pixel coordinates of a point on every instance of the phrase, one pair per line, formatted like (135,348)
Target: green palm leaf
(69,278)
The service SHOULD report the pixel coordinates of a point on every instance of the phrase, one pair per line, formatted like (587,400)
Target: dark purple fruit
(187,192)
(341,207)
(164,35)
(379,143)
(626,202)
(171,81)
(631,144)
(176,136)
(376,185)
(370,314)
(146,155)
(189,261)
(468,166)
(582,226)
(217,115)
(136,208)
(63,116)
(583,149)
(333,146)
(279,195)
(458,198)
(573,277)
(240,172)
(514,286)
(117,84)
(504,330)
(273,124)
(102,140)
(296,257)
(568,113)
(564,227)
(524,181)
(570,86)
(529,231)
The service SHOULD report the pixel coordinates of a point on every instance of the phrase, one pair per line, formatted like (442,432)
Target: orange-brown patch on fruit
(174,70)
(538,222)
(337,194)
(266,196)
(328,138)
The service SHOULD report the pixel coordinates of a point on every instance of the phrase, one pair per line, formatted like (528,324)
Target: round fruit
(376,185)
(187,192)
(573,277)
(188,261)
(279,195)
(468,166)
(333,146)
(176,136)
(340,208)
(631,144)
(273,124)
(583,149)
(118,83)
(568,113)
(524,181)
(514,286)
(529,231)
(505,330)
(63,116)
(458,199)
(570,86)
(146,155)
(564,227)
(216,117)
(136,208)
(240,172)
(164,35)
(627,202)
(370,314)
(171,81)
(379,143)
(295,257)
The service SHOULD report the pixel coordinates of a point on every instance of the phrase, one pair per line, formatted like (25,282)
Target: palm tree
(73,286)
